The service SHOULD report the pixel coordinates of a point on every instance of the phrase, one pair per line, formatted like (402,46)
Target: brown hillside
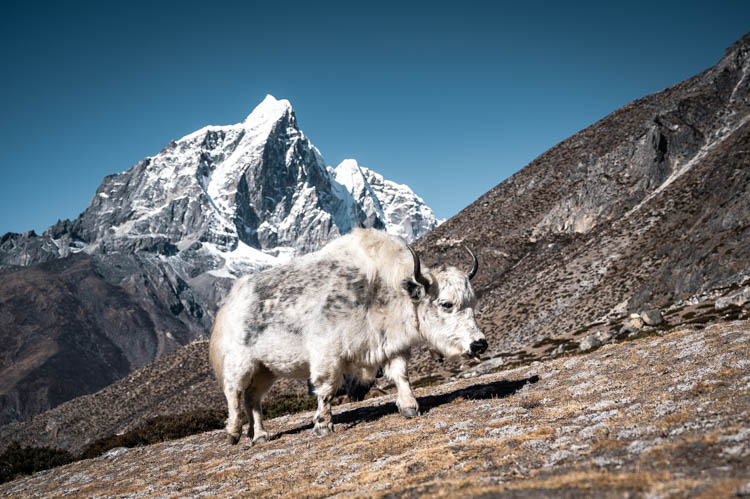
(647,207)
(663,416)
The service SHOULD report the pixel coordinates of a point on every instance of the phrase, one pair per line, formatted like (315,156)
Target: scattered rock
(117,451)
(485,367)
(594,340)
(652,317)
(599,430)
(589,342)
(737,298)
(635,322)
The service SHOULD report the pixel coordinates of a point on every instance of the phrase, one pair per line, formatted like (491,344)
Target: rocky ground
(659,416)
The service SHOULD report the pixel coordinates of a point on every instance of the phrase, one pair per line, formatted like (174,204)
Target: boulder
(737,298)
(594,340)
(634,323)
(652,317)
(589,342)
(485,367)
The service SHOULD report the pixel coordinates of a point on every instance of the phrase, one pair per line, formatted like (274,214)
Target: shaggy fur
(347,309)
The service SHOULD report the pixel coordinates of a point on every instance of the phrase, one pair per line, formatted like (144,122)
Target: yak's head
(445,304)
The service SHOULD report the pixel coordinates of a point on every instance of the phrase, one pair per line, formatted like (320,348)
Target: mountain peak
(270,109)
(348,173)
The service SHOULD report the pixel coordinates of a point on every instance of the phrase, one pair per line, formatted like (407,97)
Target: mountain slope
(168,236)
(95,335)
(643,209)
(660,416)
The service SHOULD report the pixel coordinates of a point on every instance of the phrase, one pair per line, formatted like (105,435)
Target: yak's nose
(478,346)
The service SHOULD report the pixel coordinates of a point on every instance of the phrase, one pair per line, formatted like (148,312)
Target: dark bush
(17,461)
(158,429)
(163,428)
(288,405)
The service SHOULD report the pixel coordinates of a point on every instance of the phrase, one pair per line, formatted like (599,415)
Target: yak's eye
(447,306)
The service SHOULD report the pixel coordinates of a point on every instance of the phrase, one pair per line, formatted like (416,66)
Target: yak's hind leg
(326,383)
(234,421)
(259,385)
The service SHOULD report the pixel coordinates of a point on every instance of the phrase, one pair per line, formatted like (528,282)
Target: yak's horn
(474,266)
(417,270)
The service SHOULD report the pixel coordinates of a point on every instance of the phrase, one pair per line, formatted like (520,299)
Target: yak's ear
(413,289)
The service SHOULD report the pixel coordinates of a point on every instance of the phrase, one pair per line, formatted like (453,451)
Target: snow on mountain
(237,198)
(402,212)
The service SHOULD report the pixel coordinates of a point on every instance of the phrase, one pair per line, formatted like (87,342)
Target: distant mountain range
(140,272)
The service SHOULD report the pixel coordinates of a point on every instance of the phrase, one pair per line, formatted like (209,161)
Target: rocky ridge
(646,209)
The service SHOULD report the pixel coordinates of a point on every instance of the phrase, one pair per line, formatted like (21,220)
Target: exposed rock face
(170,234)
(259,183)
(655,416)
(645,208)
(738,299)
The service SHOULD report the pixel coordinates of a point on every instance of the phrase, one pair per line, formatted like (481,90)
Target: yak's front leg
(325,389)
(323,420)
(396,372)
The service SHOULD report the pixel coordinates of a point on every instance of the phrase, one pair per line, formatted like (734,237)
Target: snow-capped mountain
(405,213)
(402,212)
(246,194)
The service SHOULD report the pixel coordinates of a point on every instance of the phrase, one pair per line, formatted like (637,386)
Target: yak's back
(376,253)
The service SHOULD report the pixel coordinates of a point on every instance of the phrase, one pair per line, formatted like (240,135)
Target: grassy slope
(662,414)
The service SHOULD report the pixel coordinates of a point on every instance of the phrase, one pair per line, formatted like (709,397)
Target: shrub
(158,429)
(288,405)
(17,461)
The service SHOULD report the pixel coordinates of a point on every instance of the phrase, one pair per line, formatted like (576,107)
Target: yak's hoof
(409,412)
(260,440)
(233,440)
(322,431)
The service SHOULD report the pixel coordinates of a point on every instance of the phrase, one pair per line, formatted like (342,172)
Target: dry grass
(530,430)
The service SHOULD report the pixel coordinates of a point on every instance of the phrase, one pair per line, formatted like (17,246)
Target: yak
(359,303)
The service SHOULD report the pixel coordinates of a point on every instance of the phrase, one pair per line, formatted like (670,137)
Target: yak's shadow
(496,389)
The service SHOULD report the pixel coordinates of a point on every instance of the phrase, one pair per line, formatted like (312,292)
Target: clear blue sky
(450,98)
